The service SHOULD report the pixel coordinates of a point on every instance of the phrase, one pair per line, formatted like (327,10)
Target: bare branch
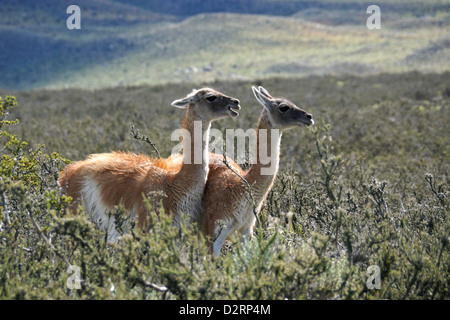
(136,135)
(52,247)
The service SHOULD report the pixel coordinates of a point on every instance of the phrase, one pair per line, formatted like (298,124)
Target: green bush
(373,193)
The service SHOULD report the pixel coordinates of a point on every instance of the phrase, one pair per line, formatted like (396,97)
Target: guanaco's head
(209,104)
(282,113)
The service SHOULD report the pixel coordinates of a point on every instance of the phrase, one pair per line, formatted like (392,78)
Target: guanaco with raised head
(226,207)
(105,180)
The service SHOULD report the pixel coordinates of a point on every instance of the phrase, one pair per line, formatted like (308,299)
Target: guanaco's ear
(262,97)
(186,101)
(183,103)
(265,92)
(180,103)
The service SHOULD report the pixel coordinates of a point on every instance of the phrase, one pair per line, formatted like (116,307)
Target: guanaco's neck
(262,173)
(195,149)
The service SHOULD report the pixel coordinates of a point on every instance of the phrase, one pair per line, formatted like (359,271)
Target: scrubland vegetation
(367,185)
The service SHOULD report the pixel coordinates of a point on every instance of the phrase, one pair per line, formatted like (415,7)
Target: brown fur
(225,195)
(126,178)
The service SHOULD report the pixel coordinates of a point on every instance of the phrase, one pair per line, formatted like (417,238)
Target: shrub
(372,194)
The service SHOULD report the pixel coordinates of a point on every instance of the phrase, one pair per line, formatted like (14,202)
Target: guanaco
(226,206)
(105,180)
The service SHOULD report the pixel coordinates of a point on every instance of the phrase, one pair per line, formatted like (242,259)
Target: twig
(46,239)
(136,135)
(429,179)
(5,209)
(155,286)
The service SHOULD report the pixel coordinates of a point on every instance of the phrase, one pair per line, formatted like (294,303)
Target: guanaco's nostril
(309,116)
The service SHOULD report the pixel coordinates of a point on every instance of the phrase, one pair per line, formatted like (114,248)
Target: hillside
(185,8)
(149,42)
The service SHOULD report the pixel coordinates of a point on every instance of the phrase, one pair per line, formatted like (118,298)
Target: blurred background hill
(156,42)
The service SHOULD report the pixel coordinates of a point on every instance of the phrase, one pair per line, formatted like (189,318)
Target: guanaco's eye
(283,108)
(211,98)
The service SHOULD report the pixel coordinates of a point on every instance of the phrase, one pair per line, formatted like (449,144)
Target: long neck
(262,173)
(195,147)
